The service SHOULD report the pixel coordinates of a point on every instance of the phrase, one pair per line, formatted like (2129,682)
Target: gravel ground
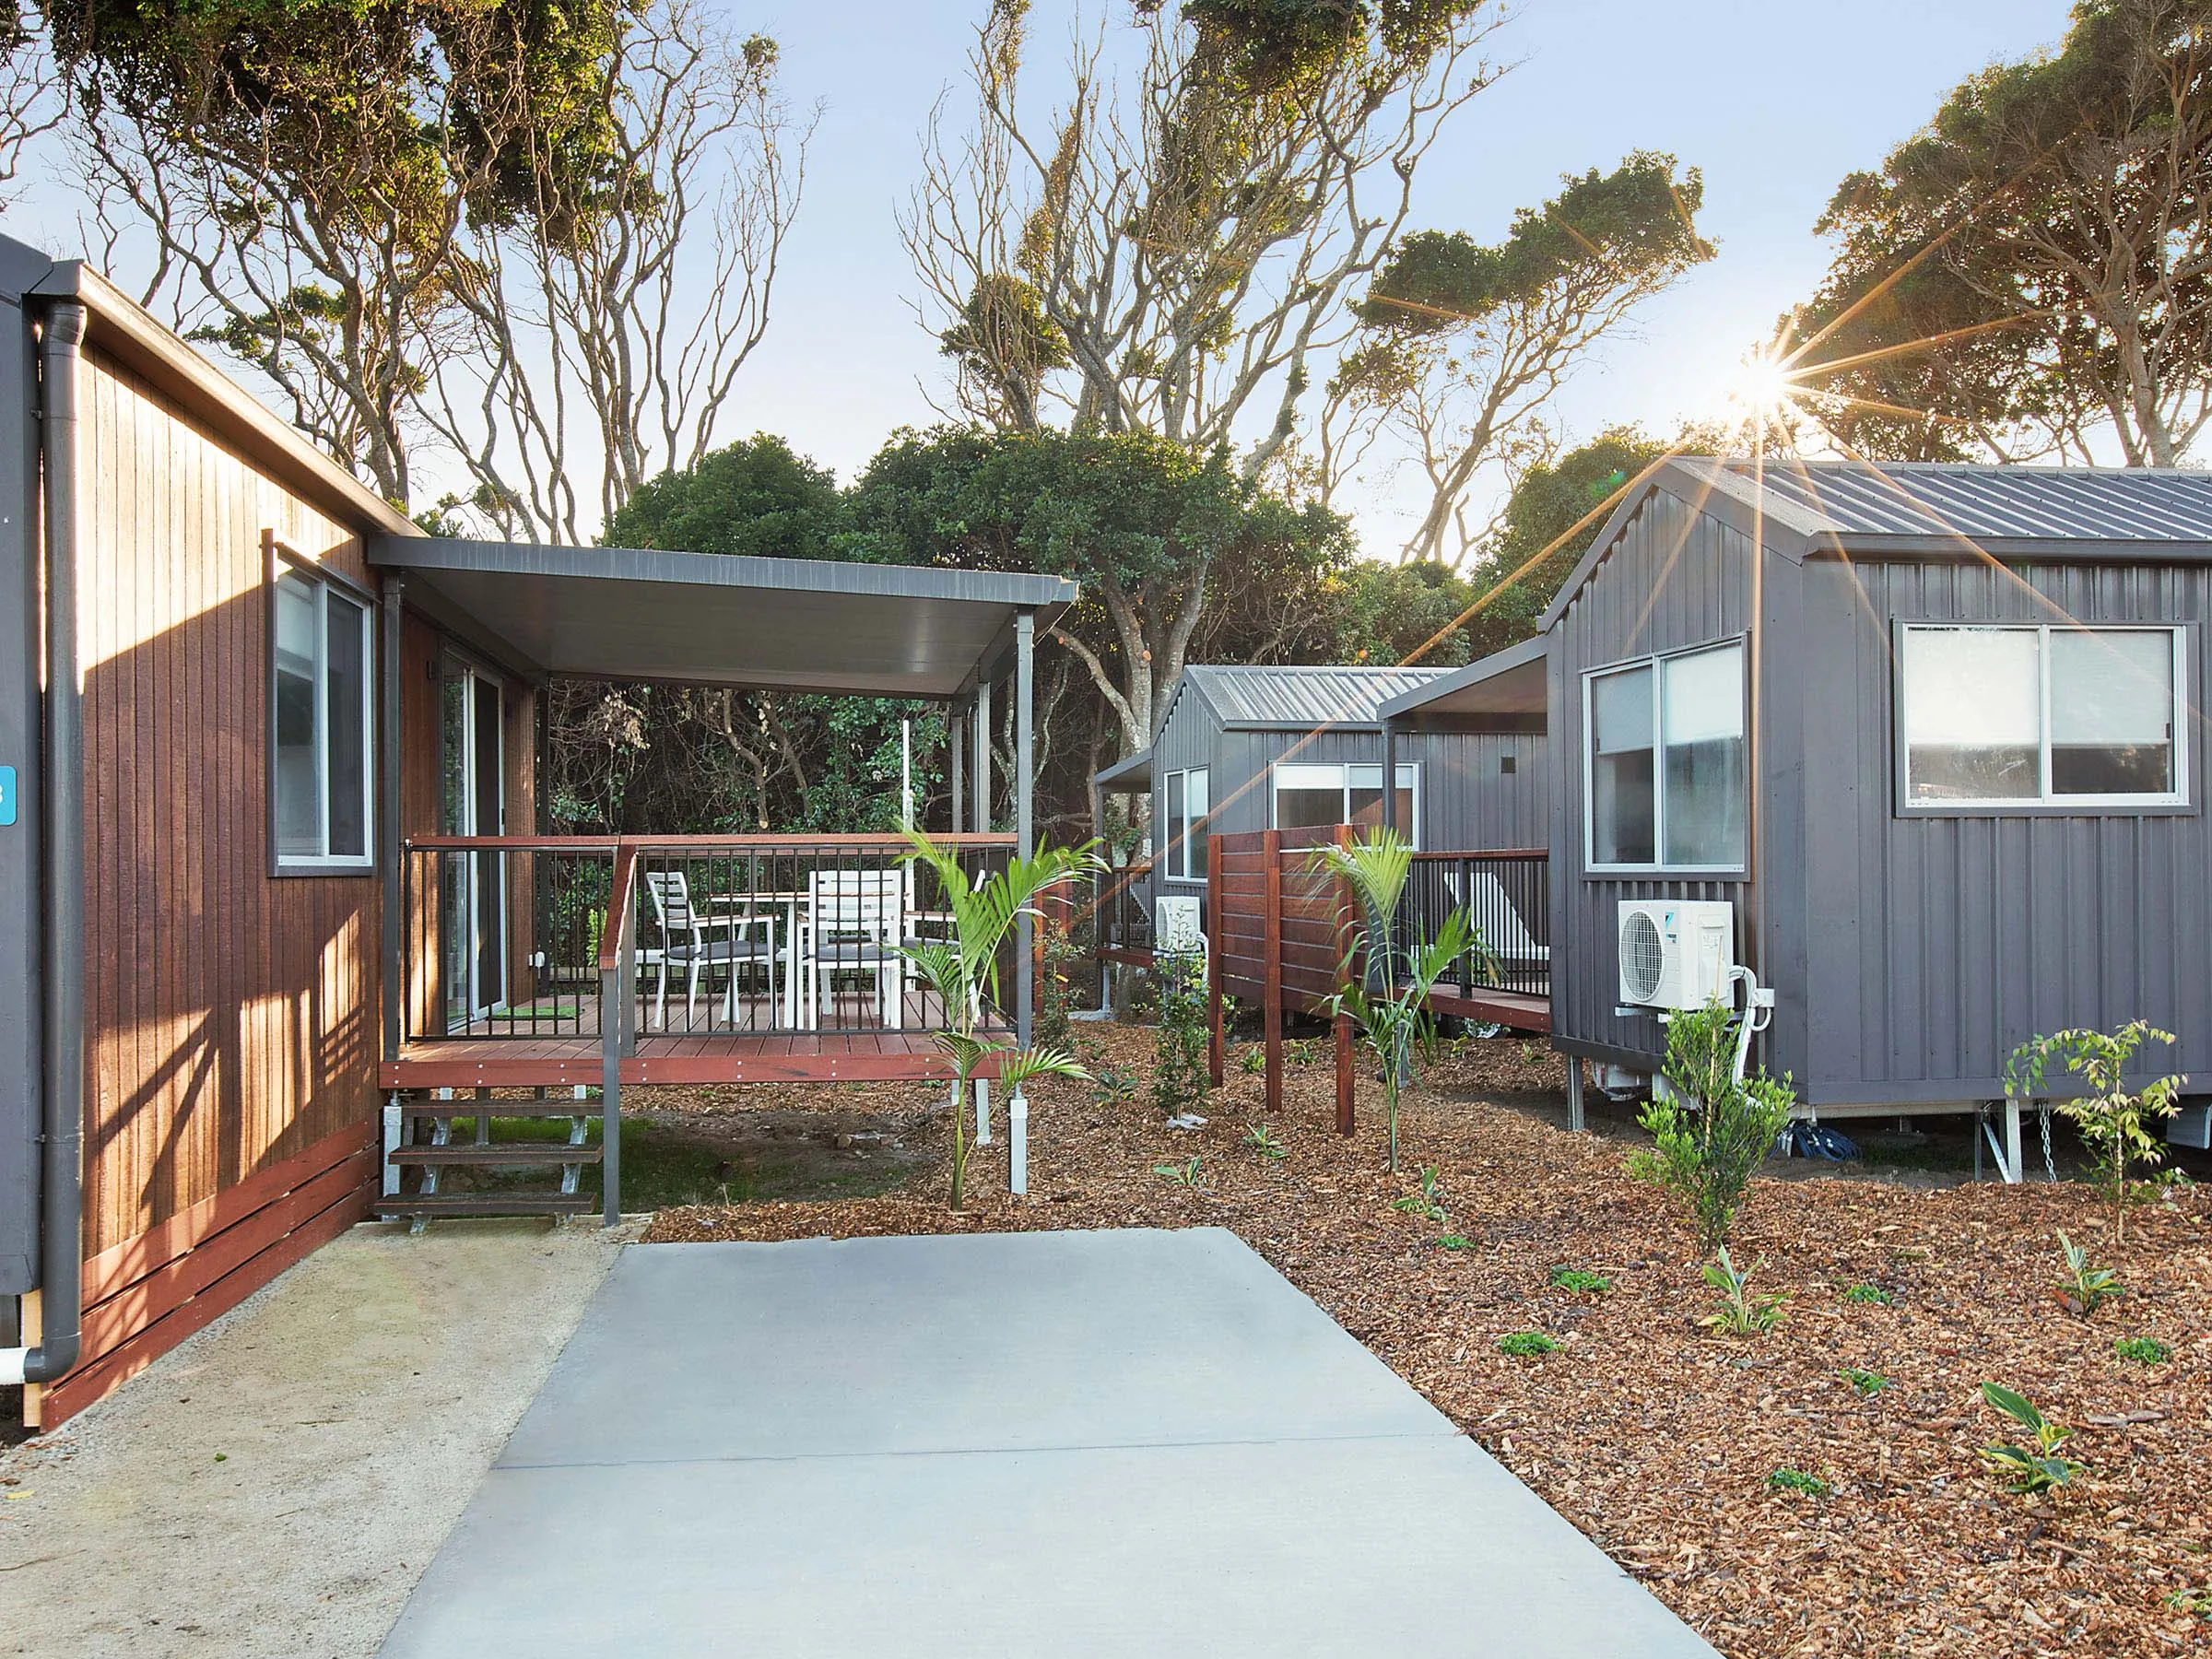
(275,1486)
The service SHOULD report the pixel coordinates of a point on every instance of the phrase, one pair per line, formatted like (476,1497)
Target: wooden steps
(500,1155)
(420,1137)
(423,1207)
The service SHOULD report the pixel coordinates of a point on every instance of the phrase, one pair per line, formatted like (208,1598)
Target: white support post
(982,1111)
(1017,1136)
(2008,1154)
(391,1132)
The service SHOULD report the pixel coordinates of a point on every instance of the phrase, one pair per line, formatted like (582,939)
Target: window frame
(325,584)
(1738,869)
(2175,802)
(1343,768)
(1175,856)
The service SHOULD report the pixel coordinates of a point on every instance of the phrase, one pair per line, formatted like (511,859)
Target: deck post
(1347,1078)
(958,769)
(391,853)
(981,769)
(1025,830)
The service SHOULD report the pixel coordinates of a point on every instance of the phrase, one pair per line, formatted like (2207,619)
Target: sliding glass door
(471,768)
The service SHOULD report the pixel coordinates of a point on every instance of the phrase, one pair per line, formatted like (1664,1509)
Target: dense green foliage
(2029,274)
(1710,1129)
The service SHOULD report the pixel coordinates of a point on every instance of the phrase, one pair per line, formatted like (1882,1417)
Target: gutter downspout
(61,1246)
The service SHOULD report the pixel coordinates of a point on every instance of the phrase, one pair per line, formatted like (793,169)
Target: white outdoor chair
(1491,911)
(694,944)
(854,925)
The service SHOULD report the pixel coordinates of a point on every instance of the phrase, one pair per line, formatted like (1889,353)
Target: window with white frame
(1187,807)
(1664,762)
(1317,797)
(320,752)
(2030,716)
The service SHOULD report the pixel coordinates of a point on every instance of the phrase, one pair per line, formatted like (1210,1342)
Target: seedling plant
(2082,1287)
(1427,1203)
(1868,1296)
(1741,1312)
(1183,1174)
(1865,1383)
(1580,1282)
(1261,1139)
(2142,1350)
(1528,1345)
(1798,1480)
(2111,1119)
(2037,1466)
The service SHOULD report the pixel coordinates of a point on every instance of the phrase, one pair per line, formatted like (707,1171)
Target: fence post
(1271,848)
(1344,1082)
(1215,1065)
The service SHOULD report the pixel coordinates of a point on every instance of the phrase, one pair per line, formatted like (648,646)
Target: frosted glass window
(2025,715)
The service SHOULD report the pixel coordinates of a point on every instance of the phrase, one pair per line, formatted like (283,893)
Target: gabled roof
(1932,510)
(1297,698)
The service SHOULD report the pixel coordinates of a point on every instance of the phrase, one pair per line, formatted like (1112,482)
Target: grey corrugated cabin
(1245,748)
(1935,732)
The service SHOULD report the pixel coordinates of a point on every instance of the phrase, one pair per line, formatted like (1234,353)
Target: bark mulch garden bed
(1657,1440)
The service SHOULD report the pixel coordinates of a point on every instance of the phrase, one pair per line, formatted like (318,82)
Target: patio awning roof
(1132,776)
(1508,688)
(723,619)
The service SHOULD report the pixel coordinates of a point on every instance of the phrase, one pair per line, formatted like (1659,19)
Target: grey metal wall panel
(1937,943)
(1675,578)
(21,990)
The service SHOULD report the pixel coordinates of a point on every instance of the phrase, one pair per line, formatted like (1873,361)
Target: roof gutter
(61,1246)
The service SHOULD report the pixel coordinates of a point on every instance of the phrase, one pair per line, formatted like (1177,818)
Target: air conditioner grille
(1642,955)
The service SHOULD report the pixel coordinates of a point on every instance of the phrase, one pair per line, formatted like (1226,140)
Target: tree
(1171,250)
(1463,344)
(448,221)
(29,107)
(2108,1115)
(1142,523)
(1548,525)
(2031,275)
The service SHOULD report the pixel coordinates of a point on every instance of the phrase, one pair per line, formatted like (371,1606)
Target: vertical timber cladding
(231,1016)
(1674,578)
(22,992)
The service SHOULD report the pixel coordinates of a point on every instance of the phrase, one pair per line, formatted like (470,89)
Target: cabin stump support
(1577,1118)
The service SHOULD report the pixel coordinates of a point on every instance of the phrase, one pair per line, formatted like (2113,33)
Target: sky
(1775,100)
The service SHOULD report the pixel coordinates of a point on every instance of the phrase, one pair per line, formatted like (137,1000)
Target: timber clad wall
(232,1019)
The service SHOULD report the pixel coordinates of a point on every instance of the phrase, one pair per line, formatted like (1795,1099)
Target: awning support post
(1025,841)
(954,718)
(983,758)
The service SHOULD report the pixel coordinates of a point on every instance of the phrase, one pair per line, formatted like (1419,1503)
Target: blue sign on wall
(8,795)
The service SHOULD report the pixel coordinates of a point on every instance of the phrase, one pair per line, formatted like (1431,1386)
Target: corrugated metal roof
(1303,697)
(1979,503)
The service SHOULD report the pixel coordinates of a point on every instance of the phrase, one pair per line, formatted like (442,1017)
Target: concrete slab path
(1065,1443)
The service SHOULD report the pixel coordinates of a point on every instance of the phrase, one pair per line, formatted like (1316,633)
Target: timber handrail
(1439,854)
(618,937)
(705,843)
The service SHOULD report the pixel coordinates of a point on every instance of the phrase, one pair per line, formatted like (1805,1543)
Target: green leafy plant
(1113,1084)
(1741,1313)
(1427,1204)
(1798,1480)
(963,970)
(1383,990)
(1528,1345)
(1711,1129)
(1580,1282)
(2110,1118)
(2082,1287)
(1866,1383)
(2037,1466)
(1181,1081)
(1252,1061)
(2142,1350)
(1868,1296)
(1183,1174)
(1050,1027)
(2192,1601)
(1261,1139)
(1455,1241)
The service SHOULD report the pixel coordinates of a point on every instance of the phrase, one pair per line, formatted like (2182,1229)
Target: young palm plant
(963,970)
(1389,1002)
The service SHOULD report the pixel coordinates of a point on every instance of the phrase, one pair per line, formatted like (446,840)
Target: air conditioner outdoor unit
(1676,953)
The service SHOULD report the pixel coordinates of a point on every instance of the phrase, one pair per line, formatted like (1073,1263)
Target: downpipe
(61,1248)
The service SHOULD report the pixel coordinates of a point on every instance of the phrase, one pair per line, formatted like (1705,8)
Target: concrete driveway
(1105,1443)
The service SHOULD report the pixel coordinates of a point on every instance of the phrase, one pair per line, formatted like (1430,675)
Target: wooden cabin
(270,836)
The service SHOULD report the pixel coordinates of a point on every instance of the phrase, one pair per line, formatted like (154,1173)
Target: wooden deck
(751,1050)
(1517,1009)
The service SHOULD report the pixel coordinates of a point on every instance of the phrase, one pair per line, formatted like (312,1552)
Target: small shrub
(2142,1350)
(1252,1061)
(1581,1283)
(1426,1203)
(2035,1467)
(1868,1296)
(1180,1080)
(1113,1084)
(1261,1139)
(2083,1287)
(2110,1119)
(1050,1028)
(1184,1174)
(1741,1313)
(1528,1345)
(1798,1480)
(1711,1129)
(1867,1384)
(1455,1241)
